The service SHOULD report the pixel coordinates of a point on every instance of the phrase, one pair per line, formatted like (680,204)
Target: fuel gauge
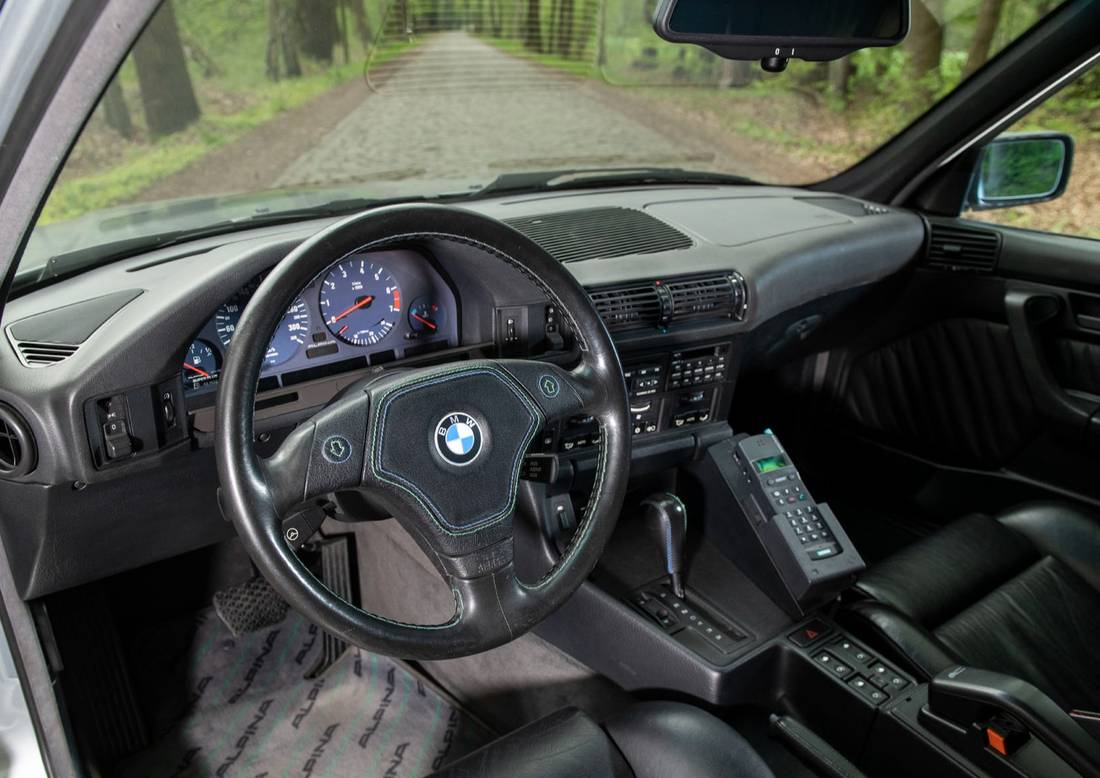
(200,366)
(426,316)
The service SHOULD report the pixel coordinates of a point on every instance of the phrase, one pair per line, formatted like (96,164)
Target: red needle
(194,369)
(424,321)
(365,301)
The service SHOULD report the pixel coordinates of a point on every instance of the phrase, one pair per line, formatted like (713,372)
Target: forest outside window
(225,109)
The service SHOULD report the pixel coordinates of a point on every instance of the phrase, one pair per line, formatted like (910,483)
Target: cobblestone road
(460,110)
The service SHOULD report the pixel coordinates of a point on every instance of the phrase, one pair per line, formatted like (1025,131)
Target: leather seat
(648,740)
(1017,594)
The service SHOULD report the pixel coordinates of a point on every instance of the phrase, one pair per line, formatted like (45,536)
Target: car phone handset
(666,515)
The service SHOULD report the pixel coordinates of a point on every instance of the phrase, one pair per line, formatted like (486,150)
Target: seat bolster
(913,647)
(673,740)
(939,576)
(565,744)
(1064,531)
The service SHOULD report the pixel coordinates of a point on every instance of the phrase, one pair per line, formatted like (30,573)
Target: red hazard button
(809,633)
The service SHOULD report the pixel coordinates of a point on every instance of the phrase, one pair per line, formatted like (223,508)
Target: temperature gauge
(200,366)
(426,316)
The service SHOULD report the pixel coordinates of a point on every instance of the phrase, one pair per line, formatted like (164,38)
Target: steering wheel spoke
(559,393)
(323,455)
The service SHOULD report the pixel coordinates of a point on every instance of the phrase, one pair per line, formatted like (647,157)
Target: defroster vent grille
(600,233)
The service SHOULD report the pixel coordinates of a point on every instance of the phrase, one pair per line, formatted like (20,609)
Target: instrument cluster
(368,308)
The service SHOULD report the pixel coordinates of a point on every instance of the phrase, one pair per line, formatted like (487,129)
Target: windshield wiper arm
(581,178)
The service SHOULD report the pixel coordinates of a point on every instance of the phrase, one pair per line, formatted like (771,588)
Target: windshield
(235,111)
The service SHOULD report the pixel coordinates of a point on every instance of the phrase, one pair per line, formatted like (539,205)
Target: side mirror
(1021,169)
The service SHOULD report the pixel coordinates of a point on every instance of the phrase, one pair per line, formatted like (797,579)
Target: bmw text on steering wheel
(441,447)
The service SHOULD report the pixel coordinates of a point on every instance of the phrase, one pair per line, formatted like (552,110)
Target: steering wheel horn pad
(442,447)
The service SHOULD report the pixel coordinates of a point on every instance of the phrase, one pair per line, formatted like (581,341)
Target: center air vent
(963,248)
(664,302)
(600,233)
(625,307)
(17,452)
(710,297)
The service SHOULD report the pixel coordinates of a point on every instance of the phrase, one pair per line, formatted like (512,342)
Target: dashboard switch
(116,436)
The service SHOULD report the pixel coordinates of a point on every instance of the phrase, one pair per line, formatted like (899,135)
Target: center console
(759,513)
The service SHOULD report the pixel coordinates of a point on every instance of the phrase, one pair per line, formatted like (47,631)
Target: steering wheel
(441,447)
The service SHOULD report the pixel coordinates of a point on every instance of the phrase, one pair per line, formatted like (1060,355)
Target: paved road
(462,111)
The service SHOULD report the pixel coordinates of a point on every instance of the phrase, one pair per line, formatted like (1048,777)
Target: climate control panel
(669,390)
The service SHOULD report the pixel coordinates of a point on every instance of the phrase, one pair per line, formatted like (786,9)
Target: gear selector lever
(665,514)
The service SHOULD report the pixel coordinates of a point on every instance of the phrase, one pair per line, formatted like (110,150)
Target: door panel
(952,392)
(996,371)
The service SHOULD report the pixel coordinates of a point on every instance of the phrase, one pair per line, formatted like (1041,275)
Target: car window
(228,109)
(1075,111)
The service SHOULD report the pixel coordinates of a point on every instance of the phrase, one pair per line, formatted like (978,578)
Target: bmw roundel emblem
(458,438)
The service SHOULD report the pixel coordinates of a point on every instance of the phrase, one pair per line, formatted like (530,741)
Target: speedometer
(360,301)
(229,314)
(290,335)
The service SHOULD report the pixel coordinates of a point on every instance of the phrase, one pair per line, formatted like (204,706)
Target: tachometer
(290,335)
(200,366)
(360,301)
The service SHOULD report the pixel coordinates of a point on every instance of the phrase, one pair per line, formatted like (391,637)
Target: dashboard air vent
(600,233)
(42,354)
(964,249)
(626,307)
(669,301)
(17,451)
(709,297)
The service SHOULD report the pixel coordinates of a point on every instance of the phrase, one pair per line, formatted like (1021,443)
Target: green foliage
(226,42)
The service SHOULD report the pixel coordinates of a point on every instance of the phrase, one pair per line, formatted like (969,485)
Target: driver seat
(647,740)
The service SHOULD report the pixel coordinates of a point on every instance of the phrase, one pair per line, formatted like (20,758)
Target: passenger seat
(1017,594)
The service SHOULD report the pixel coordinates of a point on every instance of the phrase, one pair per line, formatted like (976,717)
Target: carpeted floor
(242,707)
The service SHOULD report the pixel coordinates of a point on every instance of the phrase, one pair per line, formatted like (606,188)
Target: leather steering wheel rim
(467,532)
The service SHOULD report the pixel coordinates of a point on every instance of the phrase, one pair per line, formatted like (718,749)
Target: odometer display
(360,301)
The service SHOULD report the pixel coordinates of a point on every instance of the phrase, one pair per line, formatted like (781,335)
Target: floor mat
(229,706)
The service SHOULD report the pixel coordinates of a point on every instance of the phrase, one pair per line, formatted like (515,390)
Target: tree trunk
(989,16)
(532,38)
(342,24)
(565,28)
(735,74)
(318,29)
(282,48)
(925,42)
(167,96)
(115,110)
(362,23)
(840,73)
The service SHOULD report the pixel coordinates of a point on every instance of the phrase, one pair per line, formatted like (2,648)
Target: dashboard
(111,376)
(368,308)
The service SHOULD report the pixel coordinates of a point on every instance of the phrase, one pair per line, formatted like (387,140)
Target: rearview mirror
(775,31)
(1021,169)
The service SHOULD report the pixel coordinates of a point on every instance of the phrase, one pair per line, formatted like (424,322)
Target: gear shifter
(665,513)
